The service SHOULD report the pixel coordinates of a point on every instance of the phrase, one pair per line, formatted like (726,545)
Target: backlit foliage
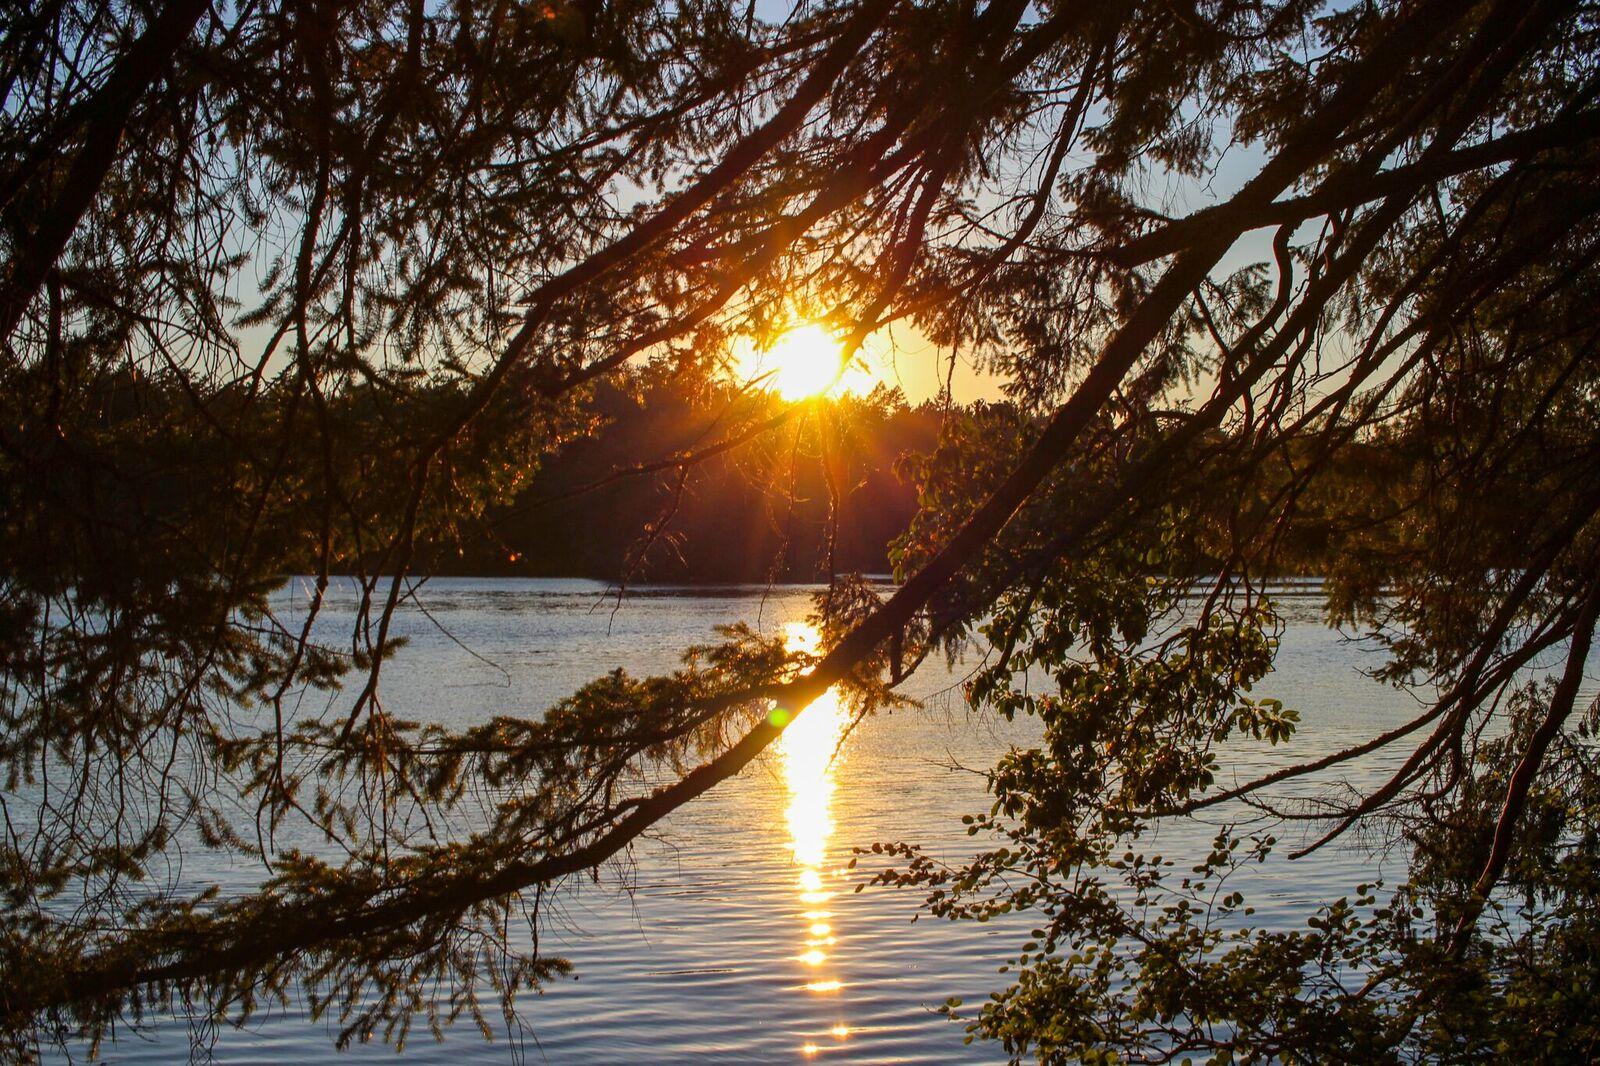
(315,288)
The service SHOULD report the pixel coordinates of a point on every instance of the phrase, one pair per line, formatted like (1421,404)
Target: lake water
(734,934)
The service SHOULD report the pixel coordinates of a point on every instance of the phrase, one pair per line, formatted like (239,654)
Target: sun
(805,362)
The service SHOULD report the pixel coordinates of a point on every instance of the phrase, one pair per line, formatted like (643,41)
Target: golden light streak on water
(809,751)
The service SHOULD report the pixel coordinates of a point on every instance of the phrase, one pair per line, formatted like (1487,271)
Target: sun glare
(804,362)
(809,748)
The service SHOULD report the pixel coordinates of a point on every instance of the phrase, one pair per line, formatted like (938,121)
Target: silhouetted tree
(316,287)
(815,496)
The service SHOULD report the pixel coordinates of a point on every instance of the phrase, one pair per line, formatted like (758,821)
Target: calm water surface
(734,934)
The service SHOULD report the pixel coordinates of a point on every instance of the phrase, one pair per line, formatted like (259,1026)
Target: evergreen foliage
(318,288)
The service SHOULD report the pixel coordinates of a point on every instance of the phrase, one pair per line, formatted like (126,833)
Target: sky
(899,355)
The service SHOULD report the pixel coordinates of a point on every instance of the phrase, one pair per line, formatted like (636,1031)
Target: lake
(734,934)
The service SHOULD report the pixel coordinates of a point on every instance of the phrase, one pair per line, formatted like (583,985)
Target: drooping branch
(1562,701)
(34,254)
(218,950)
(1352,189)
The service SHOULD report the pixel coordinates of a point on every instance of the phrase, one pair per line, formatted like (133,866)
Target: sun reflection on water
(809,750)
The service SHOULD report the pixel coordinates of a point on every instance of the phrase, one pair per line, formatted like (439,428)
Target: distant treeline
(653,482)
(790,501)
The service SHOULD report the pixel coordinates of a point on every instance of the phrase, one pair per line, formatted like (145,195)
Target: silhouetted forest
(713,483)
(397,289)
(760,511)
